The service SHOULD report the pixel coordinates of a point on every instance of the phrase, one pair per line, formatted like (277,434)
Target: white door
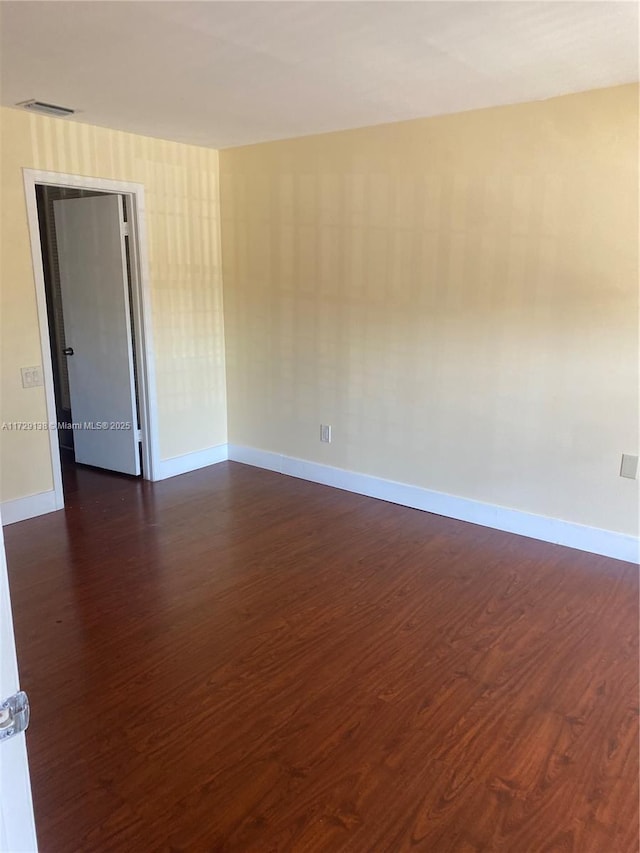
(97,322)
(17,829)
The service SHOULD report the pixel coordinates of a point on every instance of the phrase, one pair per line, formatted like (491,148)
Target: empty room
(320,425)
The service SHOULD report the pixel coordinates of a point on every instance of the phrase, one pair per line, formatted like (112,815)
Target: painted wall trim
(191,461)
(30,506)
(605,542)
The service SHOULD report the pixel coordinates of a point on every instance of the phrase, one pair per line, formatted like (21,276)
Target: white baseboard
(190,461)
(595,540)
(605,542)
(33,505)
(29,506)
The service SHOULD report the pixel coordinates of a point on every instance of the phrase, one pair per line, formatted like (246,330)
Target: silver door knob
(14,715)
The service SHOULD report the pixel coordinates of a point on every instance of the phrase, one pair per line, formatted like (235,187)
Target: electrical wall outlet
(31,376)
(325,433)
(629,466)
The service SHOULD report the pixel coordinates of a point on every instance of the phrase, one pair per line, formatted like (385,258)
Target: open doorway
(60,264)
(90,270)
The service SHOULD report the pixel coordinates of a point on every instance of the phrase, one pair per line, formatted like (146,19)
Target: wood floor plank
(233,660)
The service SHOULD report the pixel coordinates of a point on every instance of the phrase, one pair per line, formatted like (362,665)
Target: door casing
(133,194)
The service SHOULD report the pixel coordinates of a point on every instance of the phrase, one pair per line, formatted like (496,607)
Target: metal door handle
(14,715)
(68,351)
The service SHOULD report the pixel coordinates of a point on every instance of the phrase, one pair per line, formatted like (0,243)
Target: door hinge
(124,228)
(138,435)
(14,715)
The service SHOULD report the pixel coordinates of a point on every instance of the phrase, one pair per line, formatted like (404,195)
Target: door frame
(141,310)
(17,827)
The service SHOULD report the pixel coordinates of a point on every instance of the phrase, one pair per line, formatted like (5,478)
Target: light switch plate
(31,376)
(629,466)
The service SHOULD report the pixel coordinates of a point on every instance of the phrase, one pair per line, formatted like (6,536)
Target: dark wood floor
(235,660)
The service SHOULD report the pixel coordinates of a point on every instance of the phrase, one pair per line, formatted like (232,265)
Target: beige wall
(457,296)
(182,198)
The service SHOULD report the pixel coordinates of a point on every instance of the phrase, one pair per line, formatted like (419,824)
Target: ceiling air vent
(48,109)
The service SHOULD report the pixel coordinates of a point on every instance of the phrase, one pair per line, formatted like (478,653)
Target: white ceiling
(229,73)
